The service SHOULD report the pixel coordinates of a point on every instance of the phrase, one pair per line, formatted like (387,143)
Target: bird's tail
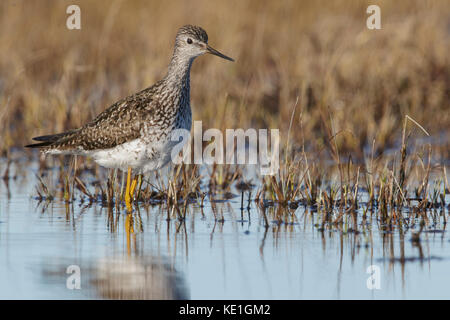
(50,140)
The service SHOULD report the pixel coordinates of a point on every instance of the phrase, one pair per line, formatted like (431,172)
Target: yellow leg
(127,191)
(133,187)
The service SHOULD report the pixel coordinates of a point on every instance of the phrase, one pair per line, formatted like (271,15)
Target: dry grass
(352,90)
(52,79)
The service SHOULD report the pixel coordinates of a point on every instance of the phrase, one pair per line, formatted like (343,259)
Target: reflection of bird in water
(137,278)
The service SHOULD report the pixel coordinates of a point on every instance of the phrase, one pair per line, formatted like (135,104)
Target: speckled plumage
(135,131)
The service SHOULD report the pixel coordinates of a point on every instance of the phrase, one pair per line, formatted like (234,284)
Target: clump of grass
(284,187)
(182,187)
(223,175)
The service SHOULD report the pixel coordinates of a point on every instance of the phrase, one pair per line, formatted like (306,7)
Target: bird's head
(192,41)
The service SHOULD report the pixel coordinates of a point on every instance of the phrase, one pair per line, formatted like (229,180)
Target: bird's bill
(217,53)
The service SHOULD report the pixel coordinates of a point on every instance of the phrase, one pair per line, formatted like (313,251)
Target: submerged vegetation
(355,82)
(402,180)
(395,190)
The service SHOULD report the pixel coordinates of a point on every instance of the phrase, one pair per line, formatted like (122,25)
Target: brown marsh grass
(320,52)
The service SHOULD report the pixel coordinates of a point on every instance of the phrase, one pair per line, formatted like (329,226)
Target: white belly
(136,154)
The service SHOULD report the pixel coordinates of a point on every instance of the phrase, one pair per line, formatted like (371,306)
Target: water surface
(206,258)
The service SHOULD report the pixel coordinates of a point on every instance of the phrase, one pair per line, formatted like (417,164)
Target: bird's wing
(120,123)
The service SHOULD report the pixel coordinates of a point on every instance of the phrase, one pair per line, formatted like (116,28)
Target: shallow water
(202,258)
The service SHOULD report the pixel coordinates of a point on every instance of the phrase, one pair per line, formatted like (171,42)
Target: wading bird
(135,132)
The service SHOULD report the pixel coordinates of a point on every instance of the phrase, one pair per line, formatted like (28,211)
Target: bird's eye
(189,40)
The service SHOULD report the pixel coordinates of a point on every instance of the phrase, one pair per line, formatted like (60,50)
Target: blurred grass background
(349,80)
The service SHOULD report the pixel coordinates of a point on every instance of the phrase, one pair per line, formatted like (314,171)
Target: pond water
(45,247)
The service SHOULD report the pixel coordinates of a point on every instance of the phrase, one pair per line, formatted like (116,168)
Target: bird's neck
(178,75)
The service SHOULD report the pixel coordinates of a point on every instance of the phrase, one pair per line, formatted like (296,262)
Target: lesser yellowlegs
(135,132)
